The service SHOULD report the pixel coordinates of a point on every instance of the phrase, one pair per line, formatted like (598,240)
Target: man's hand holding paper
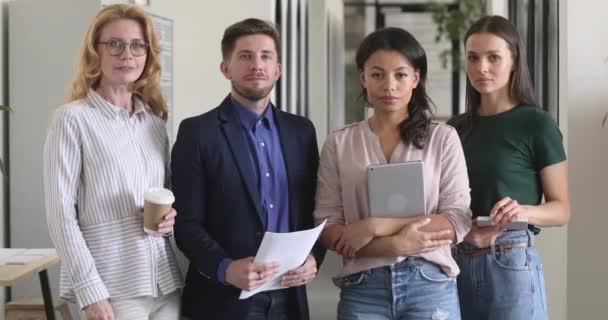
(296,266)
(248,275)
(301,275)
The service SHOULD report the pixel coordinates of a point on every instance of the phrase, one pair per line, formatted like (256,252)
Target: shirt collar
(112,111)
(139,108)
(250,119)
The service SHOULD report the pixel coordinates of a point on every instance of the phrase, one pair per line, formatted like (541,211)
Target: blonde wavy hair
(88,69)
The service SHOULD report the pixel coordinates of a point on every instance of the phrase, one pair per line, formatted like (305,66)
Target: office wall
(587,68)
(318,81)
(326,65)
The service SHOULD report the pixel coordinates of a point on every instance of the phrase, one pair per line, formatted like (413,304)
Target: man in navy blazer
(239,170)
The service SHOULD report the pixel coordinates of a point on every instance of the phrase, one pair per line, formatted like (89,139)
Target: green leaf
(452,24)
(5,108)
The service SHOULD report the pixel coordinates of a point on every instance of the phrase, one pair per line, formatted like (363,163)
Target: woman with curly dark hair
(394,268)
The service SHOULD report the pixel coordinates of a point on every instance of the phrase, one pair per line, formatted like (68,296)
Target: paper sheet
(290,250)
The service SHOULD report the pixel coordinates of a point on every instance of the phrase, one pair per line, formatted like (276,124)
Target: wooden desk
(12,274)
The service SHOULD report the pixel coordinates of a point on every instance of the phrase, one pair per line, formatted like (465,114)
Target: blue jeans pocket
(515,259)
(351,280)
(433,273)
(510,277)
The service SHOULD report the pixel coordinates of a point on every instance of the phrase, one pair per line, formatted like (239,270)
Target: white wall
(326,65)
(588,151)
(318,82)
(499,7)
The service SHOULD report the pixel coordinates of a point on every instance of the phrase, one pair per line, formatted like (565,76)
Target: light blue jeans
(412,289)
(504,285)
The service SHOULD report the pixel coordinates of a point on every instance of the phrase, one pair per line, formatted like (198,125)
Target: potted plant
(453,23)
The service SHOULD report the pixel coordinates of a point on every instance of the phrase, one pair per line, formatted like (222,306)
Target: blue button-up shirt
(265,152)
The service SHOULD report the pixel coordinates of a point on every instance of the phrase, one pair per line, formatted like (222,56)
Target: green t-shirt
(505,154)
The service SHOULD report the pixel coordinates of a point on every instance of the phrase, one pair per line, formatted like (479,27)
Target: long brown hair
(88,69)
(520,83)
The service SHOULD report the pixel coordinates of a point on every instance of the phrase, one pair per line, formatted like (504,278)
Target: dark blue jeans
(504,285)
(269,305)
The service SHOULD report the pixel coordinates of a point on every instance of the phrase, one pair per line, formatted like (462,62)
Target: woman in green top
(514,156)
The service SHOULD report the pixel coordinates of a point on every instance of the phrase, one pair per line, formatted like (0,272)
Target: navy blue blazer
(218,204)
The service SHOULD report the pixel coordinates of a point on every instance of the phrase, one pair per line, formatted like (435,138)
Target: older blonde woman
(103,150)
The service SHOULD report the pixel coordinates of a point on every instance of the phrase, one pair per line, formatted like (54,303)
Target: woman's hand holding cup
(159,216)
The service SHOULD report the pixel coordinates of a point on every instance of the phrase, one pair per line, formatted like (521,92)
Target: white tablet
(396,190)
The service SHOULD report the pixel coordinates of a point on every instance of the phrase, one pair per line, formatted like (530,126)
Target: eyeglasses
(116,48)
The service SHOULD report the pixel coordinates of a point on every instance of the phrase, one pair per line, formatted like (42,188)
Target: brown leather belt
(497,248)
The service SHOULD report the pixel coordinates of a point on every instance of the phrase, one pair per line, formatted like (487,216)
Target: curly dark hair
(415,128)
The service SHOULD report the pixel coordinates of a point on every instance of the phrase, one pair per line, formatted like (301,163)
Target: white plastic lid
(159,196)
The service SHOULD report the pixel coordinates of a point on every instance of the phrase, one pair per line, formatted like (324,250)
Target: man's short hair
(250,26)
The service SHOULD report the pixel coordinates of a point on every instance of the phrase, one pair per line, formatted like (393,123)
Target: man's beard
(252,94)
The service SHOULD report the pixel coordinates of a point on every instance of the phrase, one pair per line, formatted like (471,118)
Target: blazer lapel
(291,150)
(231,127)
